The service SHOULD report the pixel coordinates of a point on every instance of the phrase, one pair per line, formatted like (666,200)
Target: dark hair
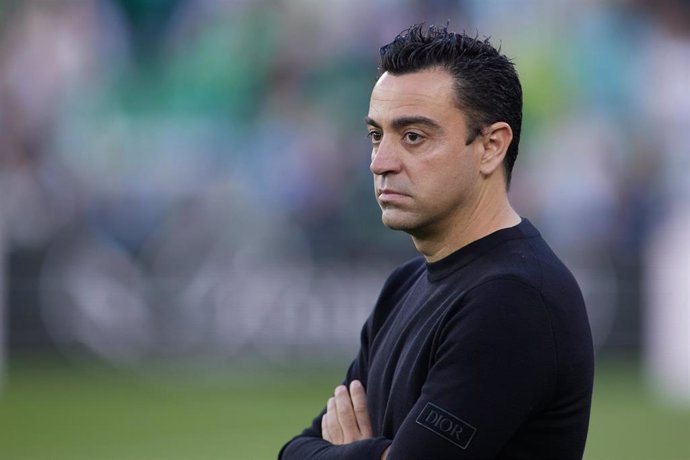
(487,87)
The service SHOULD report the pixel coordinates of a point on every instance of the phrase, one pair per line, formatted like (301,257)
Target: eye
(374,136)
(413,138)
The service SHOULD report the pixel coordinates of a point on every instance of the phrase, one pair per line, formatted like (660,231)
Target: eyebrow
(400,123)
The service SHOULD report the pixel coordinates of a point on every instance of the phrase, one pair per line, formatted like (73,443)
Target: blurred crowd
(191,176)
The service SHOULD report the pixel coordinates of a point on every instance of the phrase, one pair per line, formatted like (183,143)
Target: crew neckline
(466,254)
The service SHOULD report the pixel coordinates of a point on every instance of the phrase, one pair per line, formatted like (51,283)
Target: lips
(387,194)
(388,191)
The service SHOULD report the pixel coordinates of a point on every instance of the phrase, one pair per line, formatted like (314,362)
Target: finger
(334,430)
(346,415)
(384,455)
(324,428)
(359,403)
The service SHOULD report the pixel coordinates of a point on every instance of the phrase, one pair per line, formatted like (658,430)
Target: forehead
(428,93)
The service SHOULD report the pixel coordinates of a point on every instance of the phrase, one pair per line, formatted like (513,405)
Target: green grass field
(51,411)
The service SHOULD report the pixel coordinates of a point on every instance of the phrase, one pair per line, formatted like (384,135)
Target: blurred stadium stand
(188,180)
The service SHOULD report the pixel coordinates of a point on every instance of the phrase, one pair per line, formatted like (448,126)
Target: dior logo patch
(446,425)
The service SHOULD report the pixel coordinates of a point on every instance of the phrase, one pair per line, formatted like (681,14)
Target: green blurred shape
(628,422)
(63,412)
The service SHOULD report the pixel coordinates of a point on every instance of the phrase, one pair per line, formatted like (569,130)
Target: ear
(495,141)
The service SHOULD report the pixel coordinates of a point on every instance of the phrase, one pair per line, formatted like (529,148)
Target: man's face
(425,177)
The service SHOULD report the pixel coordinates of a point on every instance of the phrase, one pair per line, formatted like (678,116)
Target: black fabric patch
(446,425)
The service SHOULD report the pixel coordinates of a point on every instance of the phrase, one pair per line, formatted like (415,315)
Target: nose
(384,159)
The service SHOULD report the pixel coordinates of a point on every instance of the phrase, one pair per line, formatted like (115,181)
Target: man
(480,349)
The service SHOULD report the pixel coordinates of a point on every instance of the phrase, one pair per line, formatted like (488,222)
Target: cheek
(451,177)
(442,168)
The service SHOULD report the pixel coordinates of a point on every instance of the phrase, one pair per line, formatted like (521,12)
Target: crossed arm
(494,366)
(347,418)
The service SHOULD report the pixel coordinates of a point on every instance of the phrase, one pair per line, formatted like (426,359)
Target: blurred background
(189,242)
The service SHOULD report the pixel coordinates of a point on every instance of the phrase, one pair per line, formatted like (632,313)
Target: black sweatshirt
(484,354)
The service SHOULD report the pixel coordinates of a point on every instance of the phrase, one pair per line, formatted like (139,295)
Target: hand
(384,455)
(347,418)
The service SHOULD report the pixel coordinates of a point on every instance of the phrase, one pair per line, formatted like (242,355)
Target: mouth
(386,194)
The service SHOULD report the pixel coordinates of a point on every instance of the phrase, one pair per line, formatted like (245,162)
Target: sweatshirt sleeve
(313,447)
(309,445)
(494,366)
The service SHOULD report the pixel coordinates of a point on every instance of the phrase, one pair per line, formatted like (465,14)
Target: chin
(395,221)
(412,224)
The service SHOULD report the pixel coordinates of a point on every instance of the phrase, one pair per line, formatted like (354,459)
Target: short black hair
(487,86)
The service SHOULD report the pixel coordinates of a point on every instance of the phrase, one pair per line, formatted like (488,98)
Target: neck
(482,220)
